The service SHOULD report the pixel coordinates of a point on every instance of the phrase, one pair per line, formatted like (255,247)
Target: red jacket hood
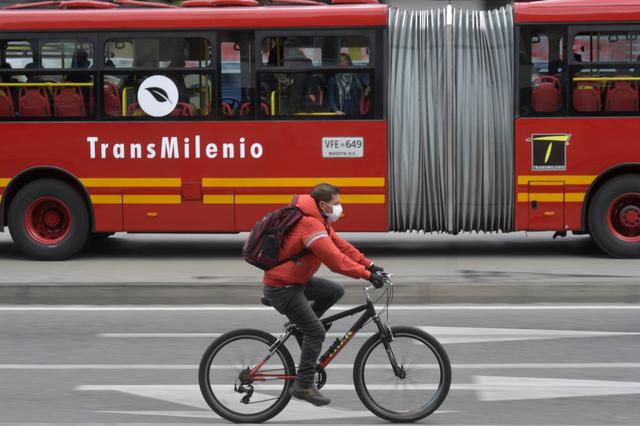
(309,207)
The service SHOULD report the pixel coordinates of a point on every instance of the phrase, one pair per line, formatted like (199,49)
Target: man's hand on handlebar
(375,268)
(377,279)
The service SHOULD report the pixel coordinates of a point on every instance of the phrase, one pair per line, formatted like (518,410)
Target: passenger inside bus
(303,91)
(348,93)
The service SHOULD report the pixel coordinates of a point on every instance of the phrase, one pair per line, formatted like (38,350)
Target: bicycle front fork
(387,337)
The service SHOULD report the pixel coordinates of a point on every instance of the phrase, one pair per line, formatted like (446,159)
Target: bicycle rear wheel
(426,381)
(229,388)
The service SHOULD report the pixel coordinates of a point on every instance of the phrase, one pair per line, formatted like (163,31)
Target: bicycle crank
(320,377)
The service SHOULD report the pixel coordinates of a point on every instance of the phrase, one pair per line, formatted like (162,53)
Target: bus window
(157,53)
(177,94)
(15,54)
(319,76)
(66,54)
(295,51)
(605,72)
(35,91)
(542,70)
(181,85)
(236,81)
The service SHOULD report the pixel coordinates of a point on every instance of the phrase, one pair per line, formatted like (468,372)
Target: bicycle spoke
(410,393)
(229,371)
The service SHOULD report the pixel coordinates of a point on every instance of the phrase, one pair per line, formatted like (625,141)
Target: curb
(250,294)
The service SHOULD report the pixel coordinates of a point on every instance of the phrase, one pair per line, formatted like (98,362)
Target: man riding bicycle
(291,285)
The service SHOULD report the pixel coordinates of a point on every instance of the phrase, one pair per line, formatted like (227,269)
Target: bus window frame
(221,35)
(574,30)
(377,51)
(210,70)
(36,39)
(518,28)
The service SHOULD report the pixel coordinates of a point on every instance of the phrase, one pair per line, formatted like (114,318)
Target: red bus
(201,118)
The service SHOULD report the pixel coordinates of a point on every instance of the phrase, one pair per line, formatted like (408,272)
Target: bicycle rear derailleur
(245,386)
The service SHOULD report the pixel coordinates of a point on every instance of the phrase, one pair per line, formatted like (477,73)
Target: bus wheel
(48,220)
(614,217)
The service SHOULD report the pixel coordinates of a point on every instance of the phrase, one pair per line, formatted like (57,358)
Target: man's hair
(324,192)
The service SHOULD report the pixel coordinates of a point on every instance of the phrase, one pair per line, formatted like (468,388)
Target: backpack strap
(297,257)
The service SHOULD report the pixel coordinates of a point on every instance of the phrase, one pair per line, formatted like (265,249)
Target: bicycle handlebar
(387,282)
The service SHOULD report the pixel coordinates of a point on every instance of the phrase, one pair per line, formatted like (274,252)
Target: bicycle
(252,370)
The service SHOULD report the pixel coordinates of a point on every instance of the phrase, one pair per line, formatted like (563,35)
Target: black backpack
(262,248)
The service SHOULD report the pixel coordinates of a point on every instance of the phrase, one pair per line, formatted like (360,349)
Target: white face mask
(335,214)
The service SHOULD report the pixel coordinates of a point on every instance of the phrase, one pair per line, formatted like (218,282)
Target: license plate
(343,146)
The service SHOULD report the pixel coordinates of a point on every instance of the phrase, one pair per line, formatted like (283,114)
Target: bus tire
(614,217)
(48,220)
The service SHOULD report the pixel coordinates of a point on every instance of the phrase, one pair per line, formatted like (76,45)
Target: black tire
(431,405)
(69,232)
(205,383)
(615,236)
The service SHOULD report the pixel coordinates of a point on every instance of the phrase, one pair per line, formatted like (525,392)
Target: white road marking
(333,366)
(190,396)
(240,309)
(445,335)
(487,388)
(494,388)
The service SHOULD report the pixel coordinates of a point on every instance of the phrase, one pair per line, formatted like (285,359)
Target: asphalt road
(531,364)
(188,269)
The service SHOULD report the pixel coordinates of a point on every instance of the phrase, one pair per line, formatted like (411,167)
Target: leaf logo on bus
(158,96)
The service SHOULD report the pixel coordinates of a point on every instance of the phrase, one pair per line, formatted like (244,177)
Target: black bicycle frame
(337,345)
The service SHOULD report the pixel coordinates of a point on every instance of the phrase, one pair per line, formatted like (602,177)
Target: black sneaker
(309,394)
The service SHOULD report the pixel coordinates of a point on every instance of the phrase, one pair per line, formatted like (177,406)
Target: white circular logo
(158,96)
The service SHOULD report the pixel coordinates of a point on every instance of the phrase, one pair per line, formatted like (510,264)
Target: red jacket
(315,233)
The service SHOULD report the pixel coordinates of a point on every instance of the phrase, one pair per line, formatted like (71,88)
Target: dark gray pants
(293,301)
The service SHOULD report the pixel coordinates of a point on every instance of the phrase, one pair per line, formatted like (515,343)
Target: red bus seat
(7,109)
(34,102)
(112,99)
(68,102)
(183,109)
(227,109)
(622,96)
(546,94)
(245,109)
(586,97)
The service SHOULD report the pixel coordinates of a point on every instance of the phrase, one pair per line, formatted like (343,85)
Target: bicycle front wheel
(421,386)
(236,382)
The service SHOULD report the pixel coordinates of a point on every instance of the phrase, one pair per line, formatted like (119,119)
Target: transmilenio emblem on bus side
(549,151)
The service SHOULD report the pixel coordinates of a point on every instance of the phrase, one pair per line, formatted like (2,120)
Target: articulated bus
(122,117)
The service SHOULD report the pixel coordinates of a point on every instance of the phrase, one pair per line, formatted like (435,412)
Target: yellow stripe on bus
(284,199)
(132,182)
(151,199)
(567,179)
(606,78)
(569,197)
(290,182)
(217,199)
(4,182)
(106,199)
(50,84)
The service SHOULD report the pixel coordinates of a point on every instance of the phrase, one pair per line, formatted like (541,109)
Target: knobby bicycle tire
(204,380)
(431,405)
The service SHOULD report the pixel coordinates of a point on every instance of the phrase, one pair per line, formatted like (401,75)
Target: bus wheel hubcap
(48,220)
(624,217)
